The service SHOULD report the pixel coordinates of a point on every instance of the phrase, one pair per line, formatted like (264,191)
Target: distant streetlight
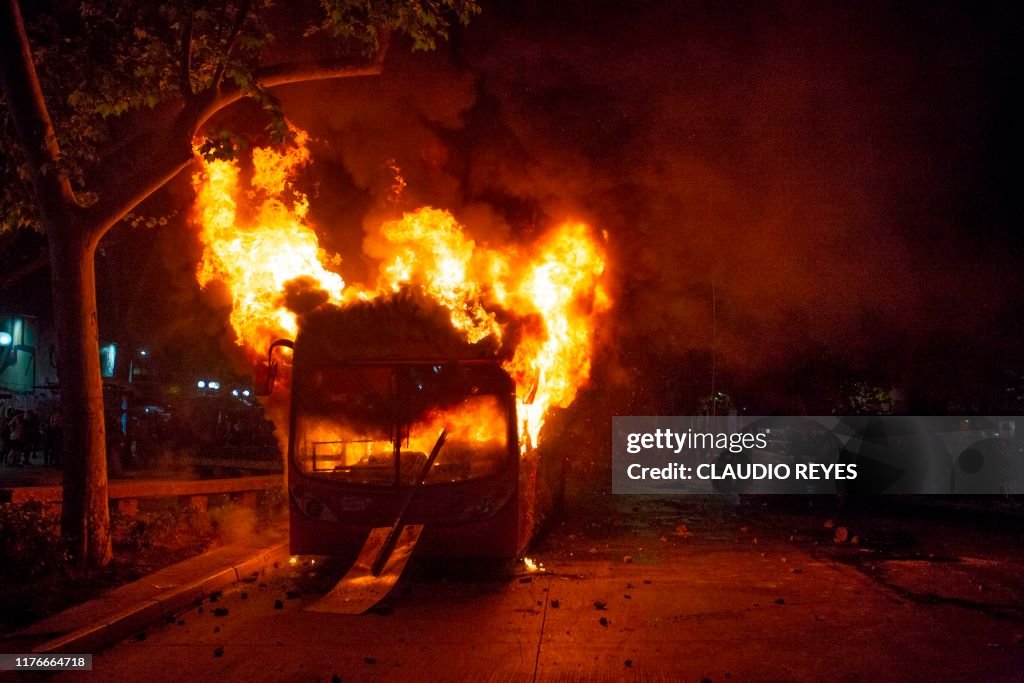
(213,385)
(6,339)
(201,384)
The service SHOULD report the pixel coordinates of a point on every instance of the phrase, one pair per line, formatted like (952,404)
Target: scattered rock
(215,596)
(197,603)
(627,596)
(370,660)
(592,550)
(842,534)
(603,621)
(829,524)
(706,680)
(292,594)
(629,663)
(647,581)
(526,579)
(219,652)
(780,601)
(220,612)
(629,586)
(555,604)
(627,559)
(855,540)
(244,595)
(249,579)
(216,629)
(335,678)
(278,604)
(681,530)
(600,604)
(797,570)
(754,541)
(181,622)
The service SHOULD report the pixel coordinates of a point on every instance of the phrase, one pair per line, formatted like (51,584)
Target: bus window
(348,418)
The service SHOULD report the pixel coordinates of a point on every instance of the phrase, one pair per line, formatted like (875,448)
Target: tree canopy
(107,68)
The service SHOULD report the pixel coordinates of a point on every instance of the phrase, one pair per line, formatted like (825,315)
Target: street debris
(219,651)
(278,604)
(600,605)
(220,612)
(842,534)
(603,621)
(629,663)
(627,559)
(555,604)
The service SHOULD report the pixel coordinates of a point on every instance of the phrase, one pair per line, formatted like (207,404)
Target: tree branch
(146,162)
(297,72)
(236,29)
(31,117)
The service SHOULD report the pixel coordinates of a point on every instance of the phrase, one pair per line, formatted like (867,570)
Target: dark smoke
(797,193)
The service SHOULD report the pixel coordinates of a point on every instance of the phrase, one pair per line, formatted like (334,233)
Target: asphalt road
(642,589)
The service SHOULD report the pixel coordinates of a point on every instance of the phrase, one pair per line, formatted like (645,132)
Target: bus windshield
(377,424)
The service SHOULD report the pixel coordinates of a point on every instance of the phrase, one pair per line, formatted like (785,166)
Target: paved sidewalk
(125,611)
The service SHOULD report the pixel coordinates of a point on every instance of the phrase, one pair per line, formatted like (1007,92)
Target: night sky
(839,175)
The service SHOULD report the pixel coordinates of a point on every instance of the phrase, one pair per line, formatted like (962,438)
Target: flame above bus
(256,240)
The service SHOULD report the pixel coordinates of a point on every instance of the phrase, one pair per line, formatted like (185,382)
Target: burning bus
(437,377)
(373,386)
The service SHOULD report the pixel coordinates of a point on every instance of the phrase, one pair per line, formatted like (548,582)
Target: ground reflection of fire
(553,292)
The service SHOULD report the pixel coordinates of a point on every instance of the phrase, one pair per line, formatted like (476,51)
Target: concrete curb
(129,622)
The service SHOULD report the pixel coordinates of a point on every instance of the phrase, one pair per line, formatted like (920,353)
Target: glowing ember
(533,567)
(552,292)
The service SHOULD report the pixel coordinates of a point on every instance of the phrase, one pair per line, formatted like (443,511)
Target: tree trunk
(85,515)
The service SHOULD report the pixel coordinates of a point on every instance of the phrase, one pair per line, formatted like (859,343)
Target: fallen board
(359,589)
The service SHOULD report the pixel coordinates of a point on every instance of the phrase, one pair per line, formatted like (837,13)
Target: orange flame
(555,290)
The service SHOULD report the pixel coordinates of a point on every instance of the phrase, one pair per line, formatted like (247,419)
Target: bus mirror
(265,376)
(267,372)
